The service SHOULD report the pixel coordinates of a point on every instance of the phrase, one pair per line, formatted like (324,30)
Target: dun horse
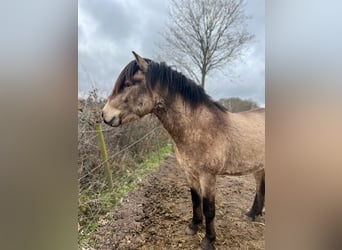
(209,140)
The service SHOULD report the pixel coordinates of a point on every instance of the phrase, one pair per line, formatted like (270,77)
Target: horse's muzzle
(114,122)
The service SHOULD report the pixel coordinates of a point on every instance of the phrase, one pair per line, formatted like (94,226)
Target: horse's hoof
(206,244)
(191,229)
(251,215)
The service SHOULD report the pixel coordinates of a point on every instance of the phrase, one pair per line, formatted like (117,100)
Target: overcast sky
(108,30)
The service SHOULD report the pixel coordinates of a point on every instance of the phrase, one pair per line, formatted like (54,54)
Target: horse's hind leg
(196,198)
(259,199)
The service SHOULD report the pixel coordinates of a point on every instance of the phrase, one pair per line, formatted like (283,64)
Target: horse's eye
(128,84)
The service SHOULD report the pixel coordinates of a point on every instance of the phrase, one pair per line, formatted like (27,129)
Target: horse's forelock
(126,74)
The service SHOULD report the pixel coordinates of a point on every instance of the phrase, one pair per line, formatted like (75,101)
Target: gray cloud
(109,30)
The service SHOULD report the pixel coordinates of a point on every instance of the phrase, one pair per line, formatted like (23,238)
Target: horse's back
(252,121)
(253,112)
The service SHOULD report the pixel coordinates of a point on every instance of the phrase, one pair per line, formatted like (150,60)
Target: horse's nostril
(102,115)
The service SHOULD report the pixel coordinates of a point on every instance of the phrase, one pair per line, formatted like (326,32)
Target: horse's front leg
(208,187)
(196,198)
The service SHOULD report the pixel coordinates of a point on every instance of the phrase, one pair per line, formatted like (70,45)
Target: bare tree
(204,35)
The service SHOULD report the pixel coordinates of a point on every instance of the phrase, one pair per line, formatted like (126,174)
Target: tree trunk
(203,80)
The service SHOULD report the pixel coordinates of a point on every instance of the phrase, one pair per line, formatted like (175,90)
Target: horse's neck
(176,119)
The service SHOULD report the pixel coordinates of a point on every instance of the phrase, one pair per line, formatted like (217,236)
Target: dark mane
(175,82)
(178,84)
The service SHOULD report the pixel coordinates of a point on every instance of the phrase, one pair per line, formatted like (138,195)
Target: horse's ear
(141,62)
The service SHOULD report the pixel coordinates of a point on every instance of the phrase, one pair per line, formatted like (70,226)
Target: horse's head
(131,98)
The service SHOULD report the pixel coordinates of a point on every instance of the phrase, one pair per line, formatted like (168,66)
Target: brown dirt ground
(155,215)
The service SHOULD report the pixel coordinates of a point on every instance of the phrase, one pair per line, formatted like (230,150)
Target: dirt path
(155,215)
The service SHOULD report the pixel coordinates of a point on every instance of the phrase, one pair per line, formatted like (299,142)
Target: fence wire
(121,151)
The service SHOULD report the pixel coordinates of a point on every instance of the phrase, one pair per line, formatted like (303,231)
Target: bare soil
(155,215)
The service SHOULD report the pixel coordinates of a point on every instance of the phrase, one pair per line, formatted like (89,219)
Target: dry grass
(134,150)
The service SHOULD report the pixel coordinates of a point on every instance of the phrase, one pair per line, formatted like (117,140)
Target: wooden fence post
(104,155)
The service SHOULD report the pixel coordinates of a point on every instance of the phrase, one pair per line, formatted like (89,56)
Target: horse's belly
(218,164)
(241,168)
